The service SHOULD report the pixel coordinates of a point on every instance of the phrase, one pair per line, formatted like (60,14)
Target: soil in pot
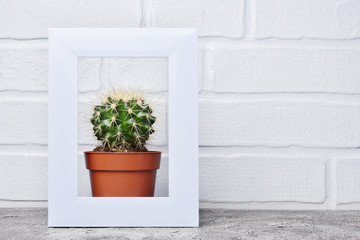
(114,174)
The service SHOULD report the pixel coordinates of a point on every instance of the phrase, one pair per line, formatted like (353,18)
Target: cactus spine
(122,122)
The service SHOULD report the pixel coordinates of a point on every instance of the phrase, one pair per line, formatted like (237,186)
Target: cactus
(122,122)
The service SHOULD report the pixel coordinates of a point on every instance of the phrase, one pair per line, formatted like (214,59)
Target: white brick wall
(280,121)
(262,178)
(212,18)
(327,19)
(23,119)
(31,19)
(348,179)
(286,68)
(23,176)
(23,66)
(279,96)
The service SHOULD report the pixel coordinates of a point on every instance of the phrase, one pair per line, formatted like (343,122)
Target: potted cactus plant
(121,166)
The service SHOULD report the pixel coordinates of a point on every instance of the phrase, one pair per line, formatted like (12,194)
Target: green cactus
(123,122)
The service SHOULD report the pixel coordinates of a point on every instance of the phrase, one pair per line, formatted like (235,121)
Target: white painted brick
(23,67)
(256,178)
(89,73)
(32,18)
(348,179)
(238,68)
(23,176)
(228,120)
(246,174)
(212,18)
(333,19)
(145,74)
(23,120)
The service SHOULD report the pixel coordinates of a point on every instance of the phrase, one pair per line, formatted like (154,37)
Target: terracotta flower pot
(130,174)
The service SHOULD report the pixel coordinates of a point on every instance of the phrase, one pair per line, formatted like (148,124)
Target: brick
(89,74)
(239,68)
(23,176)
(212,18)
(146,74)
(23,120)
(31,19)
(23,67)
(347,179)
(262,178)
(231,121)
(331,19)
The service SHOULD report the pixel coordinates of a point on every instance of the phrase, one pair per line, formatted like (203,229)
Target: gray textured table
(214,224)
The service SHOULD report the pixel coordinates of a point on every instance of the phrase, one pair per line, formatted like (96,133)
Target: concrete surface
(214,224)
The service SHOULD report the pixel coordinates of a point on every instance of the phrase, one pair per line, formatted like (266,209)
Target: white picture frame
(65,207)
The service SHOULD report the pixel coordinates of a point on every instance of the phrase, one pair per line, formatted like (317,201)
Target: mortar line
(218,37)
(205,93)
(142,21)
(333,183)
(249,19)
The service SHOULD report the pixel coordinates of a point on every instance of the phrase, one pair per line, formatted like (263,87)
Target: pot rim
(125,153)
